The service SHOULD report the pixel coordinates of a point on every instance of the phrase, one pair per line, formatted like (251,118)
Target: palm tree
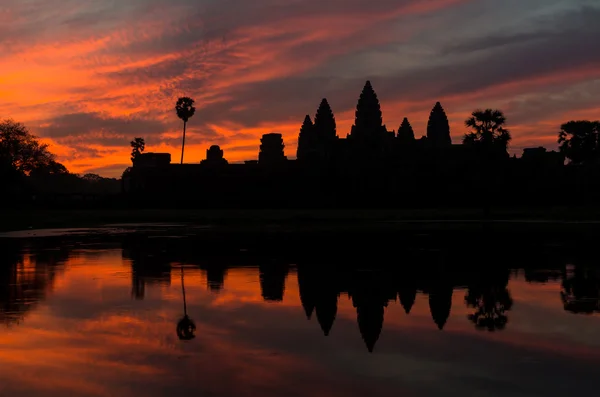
(185,110)
(488,133)
(185,326)
(487,129)
(137,145)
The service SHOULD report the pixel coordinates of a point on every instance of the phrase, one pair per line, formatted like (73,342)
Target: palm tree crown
(185,110)
(487,127)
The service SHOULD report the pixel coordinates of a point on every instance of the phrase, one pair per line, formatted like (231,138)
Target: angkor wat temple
(372,166)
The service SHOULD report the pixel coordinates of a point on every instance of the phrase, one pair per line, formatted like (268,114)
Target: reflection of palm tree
(185,327)
(491,303)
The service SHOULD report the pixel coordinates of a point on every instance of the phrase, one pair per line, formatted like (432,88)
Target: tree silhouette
(22,152)
(137,147)
(579,141)
(306,139)
(580,290)
(185,110)
(438,127)
(406,134)
(491,302)
(93,178)
(487,129)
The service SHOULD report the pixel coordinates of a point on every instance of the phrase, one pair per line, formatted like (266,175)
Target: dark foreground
(169,310)
(559,218)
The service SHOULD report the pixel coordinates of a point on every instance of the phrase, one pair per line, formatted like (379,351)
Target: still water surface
(100,320)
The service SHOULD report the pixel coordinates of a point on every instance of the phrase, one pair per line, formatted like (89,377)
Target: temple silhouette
(371,166)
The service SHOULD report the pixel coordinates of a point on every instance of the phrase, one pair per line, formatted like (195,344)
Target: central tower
(368,135)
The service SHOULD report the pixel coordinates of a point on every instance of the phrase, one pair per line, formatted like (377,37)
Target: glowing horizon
(89,76)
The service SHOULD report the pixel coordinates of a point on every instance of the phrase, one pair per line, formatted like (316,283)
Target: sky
(87,76)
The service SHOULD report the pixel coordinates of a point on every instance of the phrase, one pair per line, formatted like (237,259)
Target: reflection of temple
(371,293)
(581,289)
(440,303)
(431,272)
(147,269)
(370,296)
(215,277)
(272,281)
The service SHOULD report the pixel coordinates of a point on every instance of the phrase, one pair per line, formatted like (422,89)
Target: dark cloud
(94,127)
(554,101)
(502,60)
(243,148)
(168,69)
(241,136)
(82,152)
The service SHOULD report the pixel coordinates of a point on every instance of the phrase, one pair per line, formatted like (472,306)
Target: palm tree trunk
(183,144)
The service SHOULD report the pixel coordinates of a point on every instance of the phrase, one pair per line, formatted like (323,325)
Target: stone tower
(271,149)
(438,128)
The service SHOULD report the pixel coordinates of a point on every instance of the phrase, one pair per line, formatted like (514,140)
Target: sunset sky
(90,75)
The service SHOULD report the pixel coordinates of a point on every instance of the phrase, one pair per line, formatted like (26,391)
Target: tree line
(27,167)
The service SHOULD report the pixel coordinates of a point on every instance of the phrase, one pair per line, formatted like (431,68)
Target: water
(100,318)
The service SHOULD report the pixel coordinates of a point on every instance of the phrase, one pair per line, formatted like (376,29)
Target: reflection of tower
(215,277)
(272,281)
(306,287)
(147,269)
(369,296)
(370,322)
(440,303)
(318,292)
(326,307)
(407,296)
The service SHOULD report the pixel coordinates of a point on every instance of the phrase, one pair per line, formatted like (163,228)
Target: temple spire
(325,126)
(368,117)
(438,128)
(405,132)
(305,139)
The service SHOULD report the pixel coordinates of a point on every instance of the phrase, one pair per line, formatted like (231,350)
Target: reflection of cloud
(266,65)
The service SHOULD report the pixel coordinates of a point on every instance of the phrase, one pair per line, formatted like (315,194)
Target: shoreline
(306,219)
